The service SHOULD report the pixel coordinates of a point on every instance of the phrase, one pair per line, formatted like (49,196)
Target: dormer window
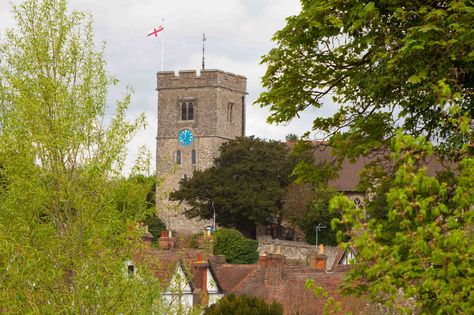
(187,111)
(131,270)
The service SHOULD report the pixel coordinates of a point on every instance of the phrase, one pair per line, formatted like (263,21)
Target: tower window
(193,157)
(230,108)
(187,111)
(178,157)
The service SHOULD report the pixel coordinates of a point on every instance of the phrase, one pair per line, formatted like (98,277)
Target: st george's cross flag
(156,31)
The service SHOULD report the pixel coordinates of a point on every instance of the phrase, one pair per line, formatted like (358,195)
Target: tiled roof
(289,290)
(348,176)
(163,263)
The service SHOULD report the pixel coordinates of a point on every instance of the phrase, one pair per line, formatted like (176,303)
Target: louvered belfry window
(187,111)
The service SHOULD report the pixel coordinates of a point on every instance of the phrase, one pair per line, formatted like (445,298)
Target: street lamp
(214,216)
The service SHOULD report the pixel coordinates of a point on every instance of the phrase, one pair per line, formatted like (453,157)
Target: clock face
(185,137)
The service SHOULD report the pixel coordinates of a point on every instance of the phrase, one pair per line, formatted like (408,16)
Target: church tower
(196,114)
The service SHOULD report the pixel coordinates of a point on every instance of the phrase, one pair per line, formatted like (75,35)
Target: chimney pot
(318,262)
(278,250)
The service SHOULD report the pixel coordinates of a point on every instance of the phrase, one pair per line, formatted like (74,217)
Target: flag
(156,31)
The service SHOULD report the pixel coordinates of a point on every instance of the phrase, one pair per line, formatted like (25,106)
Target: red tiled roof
(163,263)
(229,276)
(290,291)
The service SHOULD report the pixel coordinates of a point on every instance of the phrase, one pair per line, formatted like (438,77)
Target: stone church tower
(196,114)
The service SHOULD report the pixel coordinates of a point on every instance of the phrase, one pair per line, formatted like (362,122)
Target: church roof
(349,175)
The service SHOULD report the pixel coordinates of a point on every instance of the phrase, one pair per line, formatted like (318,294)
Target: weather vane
(203,58)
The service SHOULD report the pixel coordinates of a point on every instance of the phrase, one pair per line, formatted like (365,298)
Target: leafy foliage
(318,213)
(236,248)
(390,64)
(243,305)
(422,250)
(65,222)
(244,187)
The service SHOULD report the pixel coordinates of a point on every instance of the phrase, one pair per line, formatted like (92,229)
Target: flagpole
(162,46)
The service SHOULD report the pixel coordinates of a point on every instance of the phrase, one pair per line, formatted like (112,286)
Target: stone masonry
(218,100)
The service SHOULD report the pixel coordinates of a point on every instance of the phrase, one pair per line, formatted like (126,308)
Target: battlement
(207,78)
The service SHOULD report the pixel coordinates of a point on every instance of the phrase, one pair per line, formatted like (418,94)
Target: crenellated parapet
(188,79)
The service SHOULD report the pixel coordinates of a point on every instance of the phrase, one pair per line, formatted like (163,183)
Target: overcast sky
(238,33)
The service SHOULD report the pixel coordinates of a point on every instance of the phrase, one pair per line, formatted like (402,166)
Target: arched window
(187,111)
(358,202)
(178,157)
(193,157)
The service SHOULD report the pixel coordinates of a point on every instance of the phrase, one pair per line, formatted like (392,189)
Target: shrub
(155,226)
(235,247)
(243,305)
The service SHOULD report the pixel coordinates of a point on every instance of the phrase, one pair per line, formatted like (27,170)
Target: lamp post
(214,215)
(318,229)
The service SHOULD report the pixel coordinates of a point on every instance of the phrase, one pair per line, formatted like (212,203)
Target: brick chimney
(318,261)
(147,238)
(272,264)
(166,241)
(200,294)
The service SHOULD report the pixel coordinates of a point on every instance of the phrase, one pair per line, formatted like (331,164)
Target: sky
(238,32)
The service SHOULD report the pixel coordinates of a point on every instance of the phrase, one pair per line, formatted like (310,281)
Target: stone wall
(295,250)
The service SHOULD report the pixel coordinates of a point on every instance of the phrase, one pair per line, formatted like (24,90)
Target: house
(187,279)
(272,278)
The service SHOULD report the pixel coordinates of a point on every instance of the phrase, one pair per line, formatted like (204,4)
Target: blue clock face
(185,137)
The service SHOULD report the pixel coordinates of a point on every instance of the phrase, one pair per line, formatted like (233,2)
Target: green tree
(420,255)
(63,235)
(318,213)
(389,64)
(243,305)
(236,248)
(306,201)
(291,137)
(244,187)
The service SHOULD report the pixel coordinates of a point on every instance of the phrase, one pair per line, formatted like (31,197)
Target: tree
(243,305)
(389,64)
(291,137)
(64,236)
(306,201)
(421,254)
(318,213)
(394,67)
(244,187)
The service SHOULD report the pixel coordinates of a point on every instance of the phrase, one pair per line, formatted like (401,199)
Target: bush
(155,226)
(243,305)
(235,247)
